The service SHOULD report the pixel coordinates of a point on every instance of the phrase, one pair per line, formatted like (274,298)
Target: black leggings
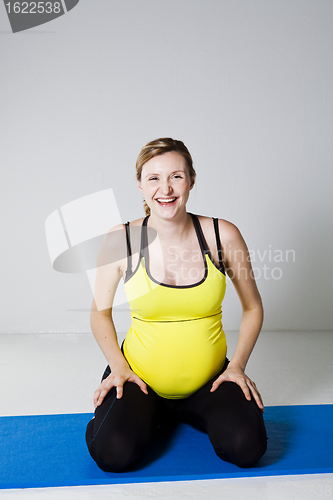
(118,435)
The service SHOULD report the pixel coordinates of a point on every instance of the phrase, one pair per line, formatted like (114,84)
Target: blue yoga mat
(50,450)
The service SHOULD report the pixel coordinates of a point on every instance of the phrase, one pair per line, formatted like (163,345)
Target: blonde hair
(160,147)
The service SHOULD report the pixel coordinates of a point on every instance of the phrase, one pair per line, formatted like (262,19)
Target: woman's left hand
(237,375)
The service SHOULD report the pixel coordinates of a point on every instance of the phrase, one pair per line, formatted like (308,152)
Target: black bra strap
(144,240)
(218,244)
(129,251)
(200,235)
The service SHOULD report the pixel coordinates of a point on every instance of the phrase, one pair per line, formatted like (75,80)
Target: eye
(178,176)
(152,178)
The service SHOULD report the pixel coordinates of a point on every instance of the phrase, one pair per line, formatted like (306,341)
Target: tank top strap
(218,244)
(144,238)
(129,252)
(202,241)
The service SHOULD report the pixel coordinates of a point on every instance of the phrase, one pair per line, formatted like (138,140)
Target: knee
(243,451)
(116,455)
(111,463)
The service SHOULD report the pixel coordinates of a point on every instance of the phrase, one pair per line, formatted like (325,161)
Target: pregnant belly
(176,359)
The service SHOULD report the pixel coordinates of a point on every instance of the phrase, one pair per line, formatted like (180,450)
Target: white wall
(247,85)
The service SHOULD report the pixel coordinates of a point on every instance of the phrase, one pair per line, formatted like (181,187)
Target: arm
(107,280)
(239,270)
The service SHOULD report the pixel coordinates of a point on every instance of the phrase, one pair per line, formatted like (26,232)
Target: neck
(175,229)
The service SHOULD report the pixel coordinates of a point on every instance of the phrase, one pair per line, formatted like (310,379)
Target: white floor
(58,373)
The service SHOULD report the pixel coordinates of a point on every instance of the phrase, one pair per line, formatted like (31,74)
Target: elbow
(255,310)
(96,316)
(260,306)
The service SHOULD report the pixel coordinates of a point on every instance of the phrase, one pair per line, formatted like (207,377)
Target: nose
(166,187)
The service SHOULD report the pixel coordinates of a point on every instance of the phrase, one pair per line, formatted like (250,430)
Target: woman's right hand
(117,379)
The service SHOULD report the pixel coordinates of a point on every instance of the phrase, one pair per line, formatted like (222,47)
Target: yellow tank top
(176,341)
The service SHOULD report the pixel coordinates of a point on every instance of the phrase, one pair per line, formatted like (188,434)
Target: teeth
(167,200)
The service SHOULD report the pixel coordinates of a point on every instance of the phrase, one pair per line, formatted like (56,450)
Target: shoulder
(228,231)
(234,247)
(115,240)
(232,241)
(114,236)
(137,222)
(113,246)
(118,231)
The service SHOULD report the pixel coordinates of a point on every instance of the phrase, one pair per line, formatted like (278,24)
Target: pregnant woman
(172,363)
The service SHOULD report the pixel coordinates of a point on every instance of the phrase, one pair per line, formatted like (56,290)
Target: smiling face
(166,183)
